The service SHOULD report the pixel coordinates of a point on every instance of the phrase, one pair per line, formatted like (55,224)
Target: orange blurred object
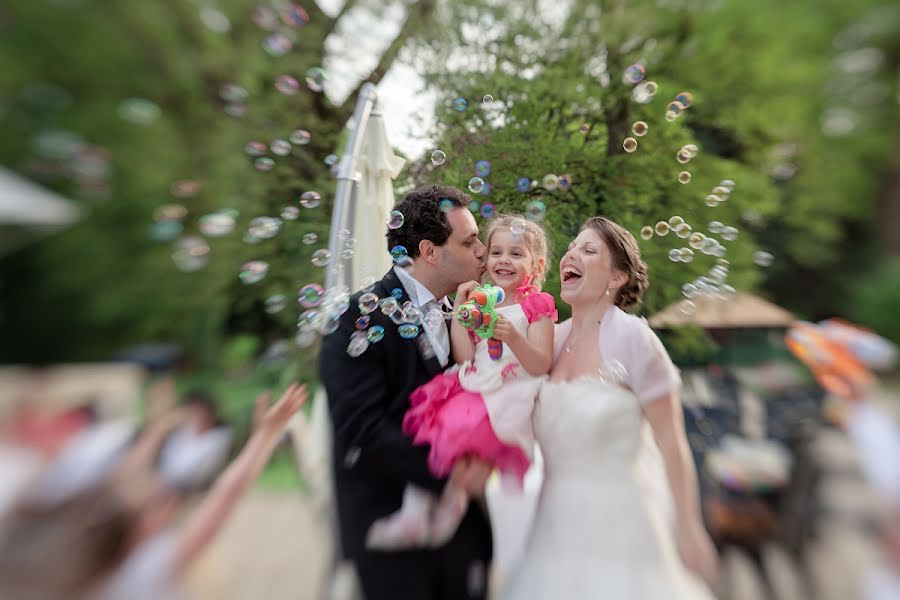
(834,365)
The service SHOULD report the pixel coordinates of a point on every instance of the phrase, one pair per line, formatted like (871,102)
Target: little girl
(481,407)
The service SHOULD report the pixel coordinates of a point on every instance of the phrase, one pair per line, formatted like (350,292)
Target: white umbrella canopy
(25,203)
(364,198)
(28,211)
(378,166)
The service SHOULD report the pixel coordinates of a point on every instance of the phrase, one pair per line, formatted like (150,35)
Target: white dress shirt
(424,300)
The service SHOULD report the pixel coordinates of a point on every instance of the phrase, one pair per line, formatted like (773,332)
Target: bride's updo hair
(626,257)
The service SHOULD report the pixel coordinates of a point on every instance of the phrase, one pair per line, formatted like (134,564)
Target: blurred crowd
(103,509)
(97,508)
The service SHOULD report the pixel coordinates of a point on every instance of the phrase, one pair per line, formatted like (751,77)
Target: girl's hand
(505,331)
(463,291)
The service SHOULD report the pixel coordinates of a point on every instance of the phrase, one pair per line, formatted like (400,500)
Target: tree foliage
(795,102)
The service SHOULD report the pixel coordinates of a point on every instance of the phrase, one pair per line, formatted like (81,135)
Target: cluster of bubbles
(167,222)
(679,104)
(477,185)
(461,104)
(713,284)
(253,271)
(644,92)
(726,232)
(275,303)
(282,25)
(257,150)
(409,320)
(639,129)
(219,223)
(720,193)
(323,314)
(191,253)
(324,308)
(65,153)
(235,98)
(686,153)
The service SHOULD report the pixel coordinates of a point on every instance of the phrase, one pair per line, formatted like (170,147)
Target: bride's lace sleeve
(648,370)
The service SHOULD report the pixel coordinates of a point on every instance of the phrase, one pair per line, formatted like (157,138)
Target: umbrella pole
(343,207)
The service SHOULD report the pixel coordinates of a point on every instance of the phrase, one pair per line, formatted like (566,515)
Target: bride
(610,426)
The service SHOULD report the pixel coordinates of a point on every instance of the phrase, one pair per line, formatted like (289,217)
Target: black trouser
(457,571)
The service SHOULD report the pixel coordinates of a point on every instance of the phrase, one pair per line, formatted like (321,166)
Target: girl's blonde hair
(536,240)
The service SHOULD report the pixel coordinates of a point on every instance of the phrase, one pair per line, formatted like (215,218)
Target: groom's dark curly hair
(425,217)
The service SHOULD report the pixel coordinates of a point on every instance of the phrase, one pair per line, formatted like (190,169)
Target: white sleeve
(877,439)
(651,374)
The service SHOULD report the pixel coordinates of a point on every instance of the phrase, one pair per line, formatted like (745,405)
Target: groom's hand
(471,474)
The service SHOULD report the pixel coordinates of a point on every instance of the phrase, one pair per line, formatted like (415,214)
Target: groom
(368,396)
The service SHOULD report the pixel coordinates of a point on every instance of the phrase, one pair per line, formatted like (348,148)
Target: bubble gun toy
(479,315)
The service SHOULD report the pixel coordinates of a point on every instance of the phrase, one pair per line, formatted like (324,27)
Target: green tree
(66,68)
(772,85)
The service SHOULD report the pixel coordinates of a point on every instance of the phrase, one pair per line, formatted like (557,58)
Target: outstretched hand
(273,419)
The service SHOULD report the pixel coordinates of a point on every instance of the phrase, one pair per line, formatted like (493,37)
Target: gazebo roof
(744,310)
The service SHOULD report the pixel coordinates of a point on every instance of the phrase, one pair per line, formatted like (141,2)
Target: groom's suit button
(352,457)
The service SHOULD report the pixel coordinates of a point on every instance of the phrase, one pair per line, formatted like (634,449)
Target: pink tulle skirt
(455,423)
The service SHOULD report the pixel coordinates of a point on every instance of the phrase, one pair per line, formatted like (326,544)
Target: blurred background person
(115,538)
(198,448)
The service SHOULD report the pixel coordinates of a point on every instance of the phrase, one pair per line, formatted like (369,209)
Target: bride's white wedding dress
(603,527)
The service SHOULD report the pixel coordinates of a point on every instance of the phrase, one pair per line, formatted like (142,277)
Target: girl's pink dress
(482,407)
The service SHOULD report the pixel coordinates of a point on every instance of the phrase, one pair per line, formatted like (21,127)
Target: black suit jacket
(368,396)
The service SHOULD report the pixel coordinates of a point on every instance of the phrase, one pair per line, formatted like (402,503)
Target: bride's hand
(698,552)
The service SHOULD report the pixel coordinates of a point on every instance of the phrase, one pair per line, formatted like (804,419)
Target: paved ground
(274,547)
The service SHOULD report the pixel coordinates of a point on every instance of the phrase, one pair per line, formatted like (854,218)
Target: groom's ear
(428,251)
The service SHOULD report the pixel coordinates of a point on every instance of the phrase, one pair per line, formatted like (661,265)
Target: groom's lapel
(423,347)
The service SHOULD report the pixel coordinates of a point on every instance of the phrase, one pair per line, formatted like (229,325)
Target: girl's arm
(221,500)
(534,352)
(667,421)
(461,345)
